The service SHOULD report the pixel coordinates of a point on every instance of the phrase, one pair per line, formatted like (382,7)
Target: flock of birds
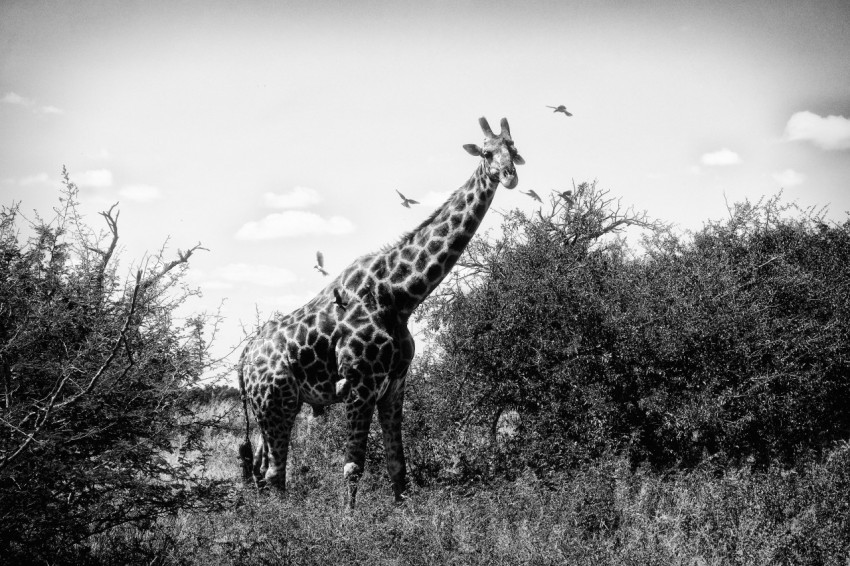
(566,195)
(406,202)
(320,267)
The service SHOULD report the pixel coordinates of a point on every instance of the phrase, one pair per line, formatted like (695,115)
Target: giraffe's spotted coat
(322,354)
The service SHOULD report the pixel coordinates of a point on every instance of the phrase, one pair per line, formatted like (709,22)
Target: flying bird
(406,202)
(338,300)
(320,264)
(560,108)
(533,195)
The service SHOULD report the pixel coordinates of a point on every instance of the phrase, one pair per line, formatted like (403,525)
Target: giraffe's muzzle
(508,177)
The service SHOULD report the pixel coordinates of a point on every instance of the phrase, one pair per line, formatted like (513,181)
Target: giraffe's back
(295,353)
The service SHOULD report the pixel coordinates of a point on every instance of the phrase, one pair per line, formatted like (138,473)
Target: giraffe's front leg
(359,407)
(390,415)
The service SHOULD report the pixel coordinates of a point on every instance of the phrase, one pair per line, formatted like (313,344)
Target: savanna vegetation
(98,428)
(598,389)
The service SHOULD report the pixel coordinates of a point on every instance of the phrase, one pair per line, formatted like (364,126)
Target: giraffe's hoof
(351,471)
(400,496)
(275,483)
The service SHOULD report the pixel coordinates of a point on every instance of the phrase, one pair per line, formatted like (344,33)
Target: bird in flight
(406,202)
(338,300)
(560,108)
(533,195)
(320,264)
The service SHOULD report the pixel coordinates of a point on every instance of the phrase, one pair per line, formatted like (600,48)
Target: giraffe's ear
(518,160)
(473,149)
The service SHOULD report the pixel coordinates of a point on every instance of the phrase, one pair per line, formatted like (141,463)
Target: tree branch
(60,385)
(182,257)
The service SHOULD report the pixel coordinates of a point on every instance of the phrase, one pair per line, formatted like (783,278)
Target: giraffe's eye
(488,154)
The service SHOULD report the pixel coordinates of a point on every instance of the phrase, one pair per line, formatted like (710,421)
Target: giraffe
(350,344)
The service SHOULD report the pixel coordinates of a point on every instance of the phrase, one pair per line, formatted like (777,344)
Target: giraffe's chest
(350,358)
(320,348)
(322,391)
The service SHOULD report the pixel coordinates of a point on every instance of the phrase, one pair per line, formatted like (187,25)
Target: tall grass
(603,513)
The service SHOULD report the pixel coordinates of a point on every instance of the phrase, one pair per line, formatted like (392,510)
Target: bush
(94,377)
(738,343)
(727,346)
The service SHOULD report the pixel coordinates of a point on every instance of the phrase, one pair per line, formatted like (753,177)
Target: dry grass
(603,514)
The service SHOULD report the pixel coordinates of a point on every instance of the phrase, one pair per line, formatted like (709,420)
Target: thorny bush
(94,373)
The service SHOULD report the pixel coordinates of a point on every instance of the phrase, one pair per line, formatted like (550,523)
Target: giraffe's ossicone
(350,344)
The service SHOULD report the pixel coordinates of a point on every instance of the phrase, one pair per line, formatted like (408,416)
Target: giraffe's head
(499,153)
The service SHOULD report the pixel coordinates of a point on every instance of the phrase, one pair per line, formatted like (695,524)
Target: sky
(269,130)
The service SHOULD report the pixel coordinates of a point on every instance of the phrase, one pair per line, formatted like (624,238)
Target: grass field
(602,514)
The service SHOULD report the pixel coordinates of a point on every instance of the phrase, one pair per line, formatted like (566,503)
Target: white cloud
(51,110)
(434,198)
(299,197)
(140,193)
(720,157)
(14,98)
(36,179)
(831,132)
(789,178)
(96,178)
(293,223)
(257,274)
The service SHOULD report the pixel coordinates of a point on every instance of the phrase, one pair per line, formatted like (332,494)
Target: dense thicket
(95,423)
(729,345)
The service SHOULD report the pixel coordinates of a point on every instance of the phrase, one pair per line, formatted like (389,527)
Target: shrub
(737,347)
(94,376)
(729,345)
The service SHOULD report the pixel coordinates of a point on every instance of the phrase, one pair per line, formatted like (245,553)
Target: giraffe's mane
(408,236)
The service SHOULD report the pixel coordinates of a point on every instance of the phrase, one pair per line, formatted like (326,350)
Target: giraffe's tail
(246,452)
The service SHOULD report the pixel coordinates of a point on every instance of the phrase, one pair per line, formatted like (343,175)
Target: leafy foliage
(94,376)
(728,346)
(744,352)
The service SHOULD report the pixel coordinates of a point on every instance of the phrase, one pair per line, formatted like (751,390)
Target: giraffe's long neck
(419,262)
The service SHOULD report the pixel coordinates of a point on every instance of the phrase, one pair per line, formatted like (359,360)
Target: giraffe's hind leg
(261,463)
(278,408)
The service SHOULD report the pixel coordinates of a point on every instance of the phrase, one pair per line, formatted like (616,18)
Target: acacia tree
(94,374)
(726,346)
(525,326)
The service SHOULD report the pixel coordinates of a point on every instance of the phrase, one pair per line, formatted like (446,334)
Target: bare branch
(122,338)
(106,255)
(182,257)
(61,383)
